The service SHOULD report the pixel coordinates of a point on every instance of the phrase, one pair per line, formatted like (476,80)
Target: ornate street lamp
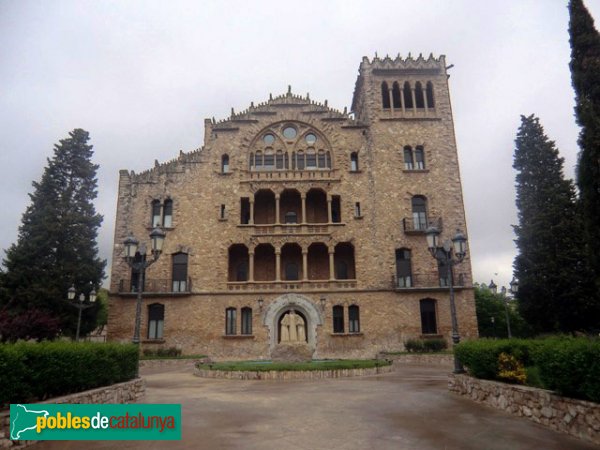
(449,253)
(157,237)
(514,286)
(80,305)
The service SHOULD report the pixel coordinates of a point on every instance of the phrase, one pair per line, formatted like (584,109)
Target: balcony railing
(156,286)
(418,225)
(290,285)
(286,175)
(431,281)
(291,229)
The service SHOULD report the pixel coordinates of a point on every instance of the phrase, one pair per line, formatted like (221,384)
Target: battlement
(398,63)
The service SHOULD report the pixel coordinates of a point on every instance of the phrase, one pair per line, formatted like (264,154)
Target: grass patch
(154,357)
(443,352)
(266,366)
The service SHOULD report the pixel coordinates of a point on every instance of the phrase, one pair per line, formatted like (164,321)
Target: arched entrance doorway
(307,315)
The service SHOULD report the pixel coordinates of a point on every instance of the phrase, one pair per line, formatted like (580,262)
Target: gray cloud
(142,76)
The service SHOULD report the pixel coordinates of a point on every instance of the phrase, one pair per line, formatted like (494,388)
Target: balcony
(291,229)
(156,287)
(300,285)
(416,225)
(291,175)
(430,281)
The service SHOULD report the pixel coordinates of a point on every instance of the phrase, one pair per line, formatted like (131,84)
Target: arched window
(179,273)
(291,217)
(429,92)
(269,161)
(419,97)
(279,160)
(396,95)
(258,160)
(419,158)
(156,319)
(311,159)
(353,319)
(354,162)
(225,164)
(408,158)
(322,160)
(291,271)
(246,320)
(419,211)
(408,103)
(294,161)
(385,95)
(428,316)
(338,319)
(156,213)
(300,160)
(168,213)
(403,268)
(230,321)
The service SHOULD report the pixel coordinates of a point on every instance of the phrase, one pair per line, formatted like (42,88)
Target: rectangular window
(403,268)
(338,319)
(311,160)
(269,160)
(168,214)
(420,158)
(357,209)
(244,210)
(354,319)
(443,272)
(336,209)
(222,212)
(156,316)
(179,275)
(230,321)
(246,320)
(156,213)
(428,319)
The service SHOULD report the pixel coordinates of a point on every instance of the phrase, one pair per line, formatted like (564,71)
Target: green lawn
(151,357)
(265,366)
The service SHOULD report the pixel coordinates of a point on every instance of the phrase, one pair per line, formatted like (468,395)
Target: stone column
(251,265)
(414,99)
(278,264)
(303,197)
(251,221)
(331,251)
(304,264)
(391,98)
(277,197)
(329,214)
(402,99)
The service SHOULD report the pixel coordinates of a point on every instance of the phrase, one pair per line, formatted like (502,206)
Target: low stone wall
(291,374)
(126,392)
(433,359)
(575,417)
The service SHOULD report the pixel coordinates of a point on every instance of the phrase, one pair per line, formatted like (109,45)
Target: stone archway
(299,303)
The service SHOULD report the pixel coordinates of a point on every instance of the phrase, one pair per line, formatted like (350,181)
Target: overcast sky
(141,76)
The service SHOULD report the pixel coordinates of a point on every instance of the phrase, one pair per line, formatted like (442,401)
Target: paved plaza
(408,409)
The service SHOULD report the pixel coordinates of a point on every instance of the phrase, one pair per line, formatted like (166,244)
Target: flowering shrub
(510,369)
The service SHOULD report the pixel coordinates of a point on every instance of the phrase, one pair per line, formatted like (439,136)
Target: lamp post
(80,305)
(505,299)
(449,253)
(157,236)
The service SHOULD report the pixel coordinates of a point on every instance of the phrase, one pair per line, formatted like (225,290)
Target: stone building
(293,205)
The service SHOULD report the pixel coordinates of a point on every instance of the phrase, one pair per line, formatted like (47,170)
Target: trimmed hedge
(37,371)
(425,345)
(569,366)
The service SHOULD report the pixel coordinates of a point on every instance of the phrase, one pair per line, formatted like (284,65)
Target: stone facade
(575,417)
(291,204)
(126,392)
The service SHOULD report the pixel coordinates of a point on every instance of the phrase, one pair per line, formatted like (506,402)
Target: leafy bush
(37,371)
(414,346)
(162,352)
(510,369)
(570,367)
(435,345)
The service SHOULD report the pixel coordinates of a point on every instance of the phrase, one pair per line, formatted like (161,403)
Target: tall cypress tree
(556,290)
(585,73)
(56,246)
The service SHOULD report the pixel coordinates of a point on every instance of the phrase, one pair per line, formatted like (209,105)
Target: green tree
(585,74)
(556,290)
(56,246)
(490,305)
